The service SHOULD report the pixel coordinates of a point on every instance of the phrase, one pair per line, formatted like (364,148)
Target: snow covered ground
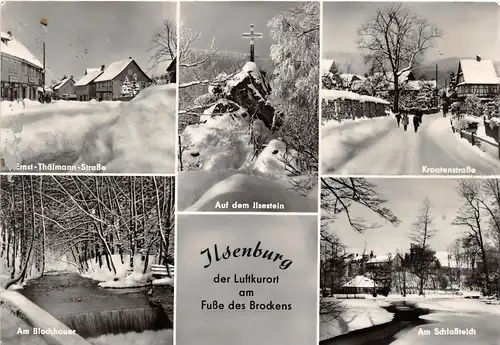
(223,168)
(133,137)
(205,190)
(164,337)
(358,314)
(379,147)
(367,312)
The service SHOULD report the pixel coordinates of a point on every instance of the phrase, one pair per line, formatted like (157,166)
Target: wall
(67,89)
(129,72)
(25,73)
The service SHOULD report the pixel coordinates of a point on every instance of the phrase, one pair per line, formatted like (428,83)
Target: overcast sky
(86,34)
(469,28)
(404,197)
(226,21)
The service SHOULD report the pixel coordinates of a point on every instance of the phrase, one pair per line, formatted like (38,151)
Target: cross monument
(252,35)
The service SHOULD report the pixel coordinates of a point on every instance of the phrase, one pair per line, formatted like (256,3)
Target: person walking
(398,118)
(405,121)
(416,122)
(445,107)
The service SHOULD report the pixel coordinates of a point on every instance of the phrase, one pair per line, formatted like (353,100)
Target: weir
(92,311)
(95,324)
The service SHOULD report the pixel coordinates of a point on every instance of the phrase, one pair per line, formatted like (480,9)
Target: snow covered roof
(380,259)
(90,70)
(341,94)
(360,282)
(13,47)
(114,69)
(390,76)
(349,77)
(416,85)
(325,66)
(92,73)
(62,82)
(478,72)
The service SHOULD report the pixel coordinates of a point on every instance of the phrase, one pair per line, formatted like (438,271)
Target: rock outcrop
(248,89)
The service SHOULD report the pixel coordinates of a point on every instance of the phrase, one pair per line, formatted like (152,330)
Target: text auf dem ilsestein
(254,206)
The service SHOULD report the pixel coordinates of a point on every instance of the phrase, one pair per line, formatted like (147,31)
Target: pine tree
(125,92)
(135,85)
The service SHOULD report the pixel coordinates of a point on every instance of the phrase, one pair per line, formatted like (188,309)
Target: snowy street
(390,150)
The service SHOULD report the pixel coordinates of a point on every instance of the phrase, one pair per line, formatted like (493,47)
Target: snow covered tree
(394,40)
(126,89)
(295,81)
(135,85)
(426,96)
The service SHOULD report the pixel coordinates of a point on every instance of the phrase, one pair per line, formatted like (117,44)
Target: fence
(340,105)
(474,139)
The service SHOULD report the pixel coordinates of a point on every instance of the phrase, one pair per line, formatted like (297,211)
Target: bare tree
(165,46)
(471,216)
(396,37)
(339,194)
(422,232)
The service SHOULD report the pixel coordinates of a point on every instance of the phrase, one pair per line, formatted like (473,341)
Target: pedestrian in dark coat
(398,118)
(416,122)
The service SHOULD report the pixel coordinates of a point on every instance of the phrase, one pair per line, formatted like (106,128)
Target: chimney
(9,33)
(71,77)
(478,58)
(130,57)
(102,68)
(64,76)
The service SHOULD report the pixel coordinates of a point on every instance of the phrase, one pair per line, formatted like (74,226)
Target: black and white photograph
(410,88)
(88,87)
(409,261)
(248,118)
(87,260)
(247,279)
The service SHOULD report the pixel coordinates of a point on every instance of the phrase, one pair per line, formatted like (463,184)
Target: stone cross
(252,35)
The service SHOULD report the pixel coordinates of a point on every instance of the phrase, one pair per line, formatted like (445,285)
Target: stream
(93,311)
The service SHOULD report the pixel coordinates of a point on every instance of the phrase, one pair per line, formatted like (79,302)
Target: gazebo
(359,284)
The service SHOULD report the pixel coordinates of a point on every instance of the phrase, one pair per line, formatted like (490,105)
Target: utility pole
(437,87)
(44,23)
(43,83)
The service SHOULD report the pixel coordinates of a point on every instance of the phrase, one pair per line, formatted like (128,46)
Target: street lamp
(44,23)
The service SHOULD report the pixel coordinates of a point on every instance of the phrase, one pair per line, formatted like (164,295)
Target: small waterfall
(97,323)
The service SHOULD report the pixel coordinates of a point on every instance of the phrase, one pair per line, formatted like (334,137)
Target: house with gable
(477,77)
(65,89)
(85,86)
(21,72)
(109,83)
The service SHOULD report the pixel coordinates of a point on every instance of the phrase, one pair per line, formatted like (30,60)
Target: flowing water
(93,311)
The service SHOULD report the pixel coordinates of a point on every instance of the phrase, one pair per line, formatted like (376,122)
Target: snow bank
(9,324)
(103,274)
(357,314)
(164,337)
(342,94)
(44,132)
(245,190)
(140,139)
(341,140)
(37,317)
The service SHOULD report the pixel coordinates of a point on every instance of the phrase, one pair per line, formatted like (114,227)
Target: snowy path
(407,153)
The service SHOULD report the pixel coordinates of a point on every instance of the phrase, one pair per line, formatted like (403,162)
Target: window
(25,69)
